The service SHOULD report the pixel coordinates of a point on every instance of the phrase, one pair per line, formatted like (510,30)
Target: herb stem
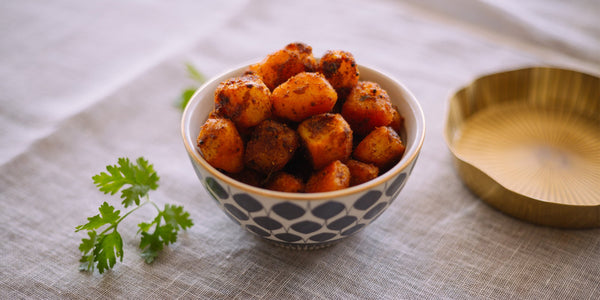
(154,204)
(114,225)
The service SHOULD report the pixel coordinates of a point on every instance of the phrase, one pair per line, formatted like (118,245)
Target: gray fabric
(85,82)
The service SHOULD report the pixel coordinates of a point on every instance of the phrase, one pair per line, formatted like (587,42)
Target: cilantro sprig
(141,177)
(187,93)
(101,249)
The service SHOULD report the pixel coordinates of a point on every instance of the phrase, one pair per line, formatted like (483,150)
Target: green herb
(101,250)
(194,73)
(187,93)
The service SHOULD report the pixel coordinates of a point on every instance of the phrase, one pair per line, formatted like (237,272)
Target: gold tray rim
(552,213)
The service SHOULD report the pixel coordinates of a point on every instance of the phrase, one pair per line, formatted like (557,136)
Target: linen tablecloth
(85,82)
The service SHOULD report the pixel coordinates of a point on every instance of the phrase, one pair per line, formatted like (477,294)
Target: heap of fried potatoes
(293,123)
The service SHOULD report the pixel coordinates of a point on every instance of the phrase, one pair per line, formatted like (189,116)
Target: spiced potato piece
(326,138)
(304,95)
(334,176)
(271,146)
(340,69)
(361,172)
(285,182)
(382,147)
(220,145)
(306,55)
(397,121)
(367,106)
(245,100)
(278,67)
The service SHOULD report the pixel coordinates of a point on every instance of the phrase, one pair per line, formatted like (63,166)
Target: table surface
(85,82)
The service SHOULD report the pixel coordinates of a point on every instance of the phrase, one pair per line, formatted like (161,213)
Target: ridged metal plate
(527,142)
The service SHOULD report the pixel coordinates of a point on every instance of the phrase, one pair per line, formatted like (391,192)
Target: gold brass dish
(527,142)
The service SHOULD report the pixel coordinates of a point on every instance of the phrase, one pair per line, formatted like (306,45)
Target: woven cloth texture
(85,82)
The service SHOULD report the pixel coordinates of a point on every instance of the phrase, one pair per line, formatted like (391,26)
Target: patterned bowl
(527,142)
(305,220)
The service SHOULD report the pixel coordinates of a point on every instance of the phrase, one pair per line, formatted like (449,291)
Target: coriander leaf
(187,94)
(133,194)
(151,246)
(185,97)
(150,253)
(107,249)
(141,178)
(88,244)
(194,73)
(177,217)
(111,182)
(107,215)
(93,223)
(145,173)
(149,239)
(144,227)
(87,260)
(167,233)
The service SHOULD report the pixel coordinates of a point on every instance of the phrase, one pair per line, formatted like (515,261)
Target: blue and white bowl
(305,220)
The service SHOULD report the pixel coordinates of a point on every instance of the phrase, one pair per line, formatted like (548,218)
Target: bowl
(527,142)
(305,220)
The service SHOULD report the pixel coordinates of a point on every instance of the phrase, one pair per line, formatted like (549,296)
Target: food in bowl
(275,209)
(312,124)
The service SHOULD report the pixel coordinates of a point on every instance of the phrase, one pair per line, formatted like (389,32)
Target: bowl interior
(202,103)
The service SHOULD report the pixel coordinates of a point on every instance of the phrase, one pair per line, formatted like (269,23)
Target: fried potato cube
(367,106)
(220,145)
(245,100)
(213,114)
(340,69)
(285,182)
(326,138)
(334,176)
(397,121)
(361,172)
(271,146)
(304,95)
(306,55)
(382,147)
(278,67)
